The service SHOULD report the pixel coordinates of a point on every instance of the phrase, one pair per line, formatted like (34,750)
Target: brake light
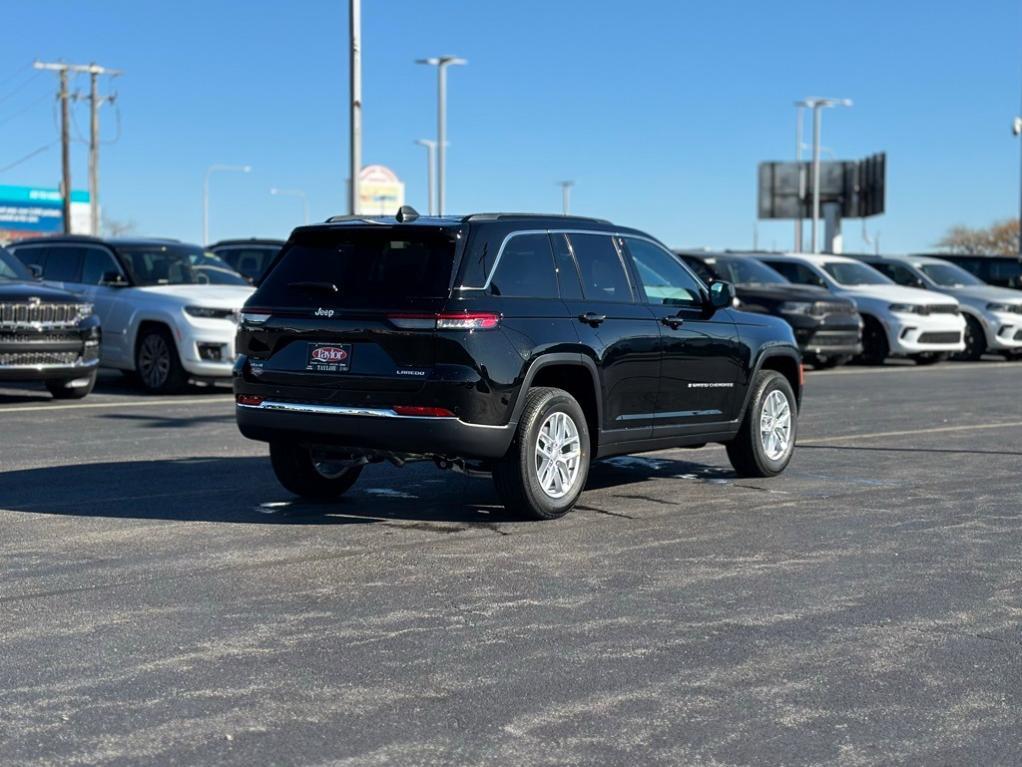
(254,315)
(252,400)
(423,412)
(446,321)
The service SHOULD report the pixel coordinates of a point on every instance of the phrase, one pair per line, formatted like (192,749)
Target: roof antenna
(406,214)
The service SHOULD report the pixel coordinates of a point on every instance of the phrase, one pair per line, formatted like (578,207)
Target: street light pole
(1016,129)
(566,195)
(799,119)
(355,68)
(430,167)
(816,105)
(441,63)
(294,193)
(205,192)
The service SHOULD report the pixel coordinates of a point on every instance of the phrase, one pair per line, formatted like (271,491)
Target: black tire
(746,451)
(975,341)
(296,469)
(930,358)
(63,388)
(875,348)
(157,362)
(515,475)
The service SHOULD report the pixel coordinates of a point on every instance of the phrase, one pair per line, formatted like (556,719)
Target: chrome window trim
(612,235)
(366,412)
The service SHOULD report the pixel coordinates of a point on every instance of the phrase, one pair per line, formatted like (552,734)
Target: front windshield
(216,270)
(11,269)
(164,264)
(746,271)
(950,275)
(851,273)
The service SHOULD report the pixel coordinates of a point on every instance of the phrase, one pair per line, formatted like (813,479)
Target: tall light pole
(441,63)
(430,168)
(355,69)
(294,193)
(565,195)
(1016,129)
(800,107)
(205,192)
(817,105)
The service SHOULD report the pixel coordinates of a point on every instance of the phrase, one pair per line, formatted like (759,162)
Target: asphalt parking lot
(164,601)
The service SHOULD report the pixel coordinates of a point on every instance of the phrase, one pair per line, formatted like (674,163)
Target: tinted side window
(32,255)
(526,269)
(700,268)
(662,276)
(898,273)
(603,274)
(567,270)
(797,273)
(97,262)
(64,264)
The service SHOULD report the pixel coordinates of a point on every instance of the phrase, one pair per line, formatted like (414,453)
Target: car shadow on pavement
(950,451)
(170,421)
(244,490)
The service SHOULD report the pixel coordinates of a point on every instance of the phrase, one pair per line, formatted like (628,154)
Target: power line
(19,88)
(28,157)
(25,108)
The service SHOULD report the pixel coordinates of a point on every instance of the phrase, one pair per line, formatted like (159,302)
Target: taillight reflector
(446,321)
(249,399)
(422,411)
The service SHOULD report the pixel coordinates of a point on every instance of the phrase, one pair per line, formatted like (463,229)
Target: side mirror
(113,279)
(722,295)
(37,271)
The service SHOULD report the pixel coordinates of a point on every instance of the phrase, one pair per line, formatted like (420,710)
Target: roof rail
(509,216)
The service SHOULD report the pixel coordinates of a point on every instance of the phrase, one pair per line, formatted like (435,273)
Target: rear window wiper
(326,287)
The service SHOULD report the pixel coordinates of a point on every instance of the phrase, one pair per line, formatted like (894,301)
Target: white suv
(162,316)
(993,315)
(897,321)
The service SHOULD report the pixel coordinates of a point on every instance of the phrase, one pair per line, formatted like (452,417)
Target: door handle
(592,318)
(673,321)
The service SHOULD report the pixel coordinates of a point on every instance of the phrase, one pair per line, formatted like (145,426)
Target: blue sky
(659,110)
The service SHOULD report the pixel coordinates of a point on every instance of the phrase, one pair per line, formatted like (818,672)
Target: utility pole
(1016,129)
(565,195)
(355,68)
(430,169)
(95,101)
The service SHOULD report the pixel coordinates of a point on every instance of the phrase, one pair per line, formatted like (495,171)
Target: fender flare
(765,353)
(575,359)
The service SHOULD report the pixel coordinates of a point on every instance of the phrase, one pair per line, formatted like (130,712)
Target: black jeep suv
(828,328)
(46,334)
(521,345)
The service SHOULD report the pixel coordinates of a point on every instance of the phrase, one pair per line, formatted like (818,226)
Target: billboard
(380,192)
(859,187)
(27,211)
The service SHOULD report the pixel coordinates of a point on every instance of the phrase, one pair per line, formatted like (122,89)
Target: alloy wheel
(558,455)
(775,425)
(154,361)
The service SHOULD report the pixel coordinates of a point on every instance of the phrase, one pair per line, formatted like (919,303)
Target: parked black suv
(1005,271)
(828,328)
(522,345)
(247,257)
(46,334)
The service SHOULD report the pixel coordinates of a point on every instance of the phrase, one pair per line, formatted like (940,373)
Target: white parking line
(122,404)
(909,432)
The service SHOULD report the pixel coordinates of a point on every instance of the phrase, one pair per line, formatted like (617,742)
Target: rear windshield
(360,268)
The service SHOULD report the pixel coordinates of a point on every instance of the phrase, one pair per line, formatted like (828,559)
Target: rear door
(352,309)
(702,363)
(620,330)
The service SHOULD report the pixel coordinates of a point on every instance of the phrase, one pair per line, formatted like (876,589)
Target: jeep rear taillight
(446,321)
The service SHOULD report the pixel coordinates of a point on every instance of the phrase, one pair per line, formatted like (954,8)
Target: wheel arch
(785,360)
(574,373)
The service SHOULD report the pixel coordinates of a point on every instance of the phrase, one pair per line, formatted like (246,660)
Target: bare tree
(1000,237)
(118,228)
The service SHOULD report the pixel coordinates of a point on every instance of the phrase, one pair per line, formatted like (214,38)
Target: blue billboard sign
(27,211)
